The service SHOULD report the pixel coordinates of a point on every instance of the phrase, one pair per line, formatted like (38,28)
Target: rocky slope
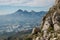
(50,26)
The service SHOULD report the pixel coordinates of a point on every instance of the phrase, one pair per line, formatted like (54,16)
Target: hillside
(16,36)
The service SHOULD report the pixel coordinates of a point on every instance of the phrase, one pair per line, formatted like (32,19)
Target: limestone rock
(35,30)
(57,1)
(38,38)
(50,26)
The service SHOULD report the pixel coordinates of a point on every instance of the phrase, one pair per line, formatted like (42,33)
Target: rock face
(50,26)
(57,1)
(35,30)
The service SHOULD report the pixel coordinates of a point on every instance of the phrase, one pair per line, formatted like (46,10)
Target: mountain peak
(19,10)
(32,11)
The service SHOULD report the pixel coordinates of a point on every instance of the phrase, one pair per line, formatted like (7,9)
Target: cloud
(40,3)
(27,2)
(36,5)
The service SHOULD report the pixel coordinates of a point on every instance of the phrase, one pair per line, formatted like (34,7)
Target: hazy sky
(10,6)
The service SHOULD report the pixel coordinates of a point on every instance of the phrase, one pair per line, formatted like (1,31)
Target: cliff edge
(50,26)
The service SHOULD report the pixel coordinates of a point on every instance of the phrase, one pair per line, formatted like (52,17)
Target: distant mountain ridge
(20,20)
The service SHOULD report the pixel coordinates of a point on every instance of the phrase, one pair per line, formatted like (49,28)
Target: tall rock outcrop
(50,26)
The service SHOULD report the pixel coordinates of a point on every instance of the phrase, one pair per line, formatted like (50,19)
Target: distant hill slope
(16,36)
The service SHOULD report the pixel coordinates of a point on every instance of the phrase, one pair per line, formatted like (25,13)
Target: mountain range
(20,21)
